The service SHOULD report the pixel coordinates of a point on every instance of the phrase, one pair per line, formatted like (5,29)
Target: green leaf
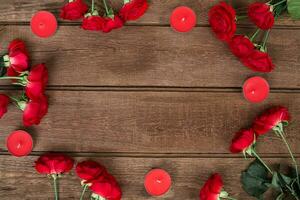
(294,8)
(280,8)
(2,67)
(255,179)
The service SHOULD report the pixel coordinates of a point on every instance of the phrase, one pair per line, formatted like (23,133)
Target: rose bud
(258,61)
(222,20)
(241,46)
(17,57)
(89,170)
(260,14)
(106,187)
(133,10)
(4,101)
(93,23)
(242,140)
(73,10)
(33,111)
(213,189)
(270,119)
(36,83)
(54,164)
(112,23)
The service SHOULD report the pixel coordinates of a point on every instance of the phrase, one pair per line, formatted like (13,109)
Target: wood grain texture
(153,56)
(151,122)
(19,181)
(15,11)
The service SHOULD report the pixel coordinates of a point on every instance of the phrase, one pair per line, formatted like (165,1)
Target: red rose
(241,46)
(107,187)
(34,111)
(17,45)
(110,24)
(258,61)
(89,170)
(73,10)
(133,10)
(260,14)
(36,82)
(212,188)
(54,163)
(223,21)
(17,57)
(242,141)
(270,119)
(4,101)
(93,23)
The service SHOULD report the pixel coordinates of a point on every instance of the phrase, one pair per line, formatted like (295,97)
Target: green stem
(54,176)
(262,162)
(266,38)
(83,191)
(93,5)
(106,8)
(281,133)
(13,98)
(280,2)
(254,35)
(241,17)
(11,77)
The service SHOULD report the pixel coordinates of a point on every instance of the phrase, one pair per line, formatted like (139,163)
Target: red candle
(256,89)
(183,19)
(157,182)
(19,143)
(43,24)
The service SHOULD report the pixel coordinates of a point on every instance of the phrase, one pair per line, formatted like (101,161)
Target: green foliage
(255,179)
(294,8)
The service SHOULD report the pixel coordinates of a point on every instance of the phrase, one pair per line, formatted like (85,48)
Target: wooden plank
(20,181)
(151,122)
(153,56)
(158,13)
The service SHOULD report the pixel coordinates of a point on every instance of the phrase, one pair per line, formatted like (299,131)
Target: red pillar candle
(19,143)
(256,89)
(157,182)
(183,19)
(43,24)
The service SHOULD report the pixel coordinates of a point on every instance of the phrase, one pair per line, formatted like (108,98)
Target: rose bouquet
(92,174)
(14,65)
(259,177)
(93,21)
(253,53)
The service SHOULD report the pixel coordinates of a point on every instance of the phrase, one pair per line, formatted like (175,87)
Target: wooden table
(143,97)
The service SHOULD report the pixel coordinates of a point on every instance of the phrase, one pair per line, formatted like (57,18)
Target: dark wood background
(143,97)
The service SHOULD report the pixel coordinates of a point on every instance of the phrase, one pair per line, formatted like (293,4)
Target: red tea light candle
(43,24)
(183,19)
(256,89)
(19,143)
(157,182)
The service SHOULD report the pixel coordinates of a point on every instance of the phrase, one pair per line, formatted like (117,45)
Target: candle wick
(19,145)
